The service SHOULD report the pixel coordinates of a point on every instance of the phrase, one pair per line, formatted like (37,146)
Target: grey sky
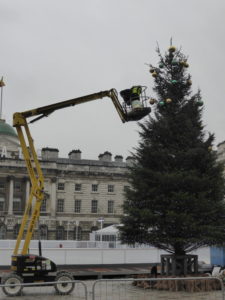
(54,50)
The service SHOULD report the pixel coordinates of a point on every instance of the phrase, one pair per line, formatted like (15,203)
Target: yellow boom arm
(31,159)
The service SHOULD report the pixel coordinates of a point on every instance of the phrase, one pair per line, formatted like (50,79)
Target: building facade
(80,195)
(221,152)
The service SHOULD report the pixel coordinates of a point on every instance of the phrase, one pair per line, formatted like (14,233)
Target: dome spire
(2,84)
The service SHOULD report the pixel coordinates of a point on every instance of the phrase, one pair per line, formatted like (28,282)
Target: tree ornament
(189,82)
(154,74)
(200,102)
(174,62)
(161,103)
(168,100)
(152,101)
(210,148)
(184,64)
(161,65)
(172,49)
(152,70)
(174,81)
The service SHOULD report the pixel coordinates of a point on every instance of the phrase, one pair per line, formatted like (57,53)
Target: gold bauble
(172,49)
(184,63)
(152,101)
(168,100)
(210,148)
(154,74)
(189,82)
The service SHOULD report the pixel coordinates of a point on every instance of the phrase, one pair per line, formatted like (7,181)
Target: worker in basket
(135,97)
(132,97)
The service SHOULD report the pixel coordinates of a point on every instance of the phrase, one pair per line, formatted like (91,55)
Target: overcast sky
(54,50)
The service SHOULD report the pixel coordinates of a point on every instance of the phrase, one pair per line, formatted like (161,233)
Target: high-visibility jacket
(136,89)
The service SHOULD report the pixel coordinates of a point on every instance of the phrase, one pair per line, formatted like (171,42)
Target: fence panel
(132,289)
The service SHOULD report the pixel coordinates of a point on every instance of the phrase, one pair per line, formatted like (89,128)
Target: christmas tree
(176,196)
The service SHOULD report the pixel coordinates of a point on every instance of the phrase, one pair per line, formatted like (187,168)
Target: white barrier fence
(96,256)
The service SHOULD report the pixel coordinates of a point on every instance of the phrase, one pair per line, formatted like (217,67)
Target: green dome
(7,129)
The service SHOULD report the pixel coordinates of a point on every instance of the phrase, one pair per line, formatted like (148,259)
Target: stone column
(53,197)
(11,190)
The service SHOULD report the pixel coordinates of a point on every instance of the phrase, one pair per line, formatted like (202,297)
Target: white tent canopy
(112,229)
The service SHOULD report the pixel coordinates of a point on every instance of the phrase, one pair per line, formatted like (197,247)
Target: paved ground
(119,289)
(110,290)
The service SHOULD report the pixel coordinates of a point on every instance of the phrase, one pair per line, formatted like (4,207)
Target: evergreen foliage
(176,199)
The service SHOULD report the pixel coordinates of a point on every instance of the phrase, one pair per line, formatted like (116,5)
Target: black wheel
(61,272)
(12,290)
(64,288)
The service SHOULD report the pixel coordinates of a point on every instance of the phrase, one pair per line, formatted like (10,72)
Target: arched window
(3,232)
(16,231)
(43,231)
(77,233)
(60,233)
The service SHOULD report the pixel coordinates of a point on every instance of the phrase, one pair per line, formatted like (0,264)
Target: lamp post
(101,221)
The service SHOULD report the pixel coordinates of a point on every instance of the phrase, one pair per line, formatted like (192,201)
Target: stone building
(80,195)
(221,152)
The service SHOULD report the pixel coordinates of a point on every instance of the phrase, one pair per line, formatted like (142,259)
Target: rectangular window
(16,205)
(43,229)
(77,206)
(94,206)
(60,205)
(94,187)
(110,188)
(110,207)
(44,205)
(17,186)
(78,187)
(60,233)
(61,186)
(2,204)
(2,185)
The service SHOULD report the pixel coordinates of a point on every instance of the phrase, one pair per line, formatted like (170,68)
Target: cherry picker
(31,268)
